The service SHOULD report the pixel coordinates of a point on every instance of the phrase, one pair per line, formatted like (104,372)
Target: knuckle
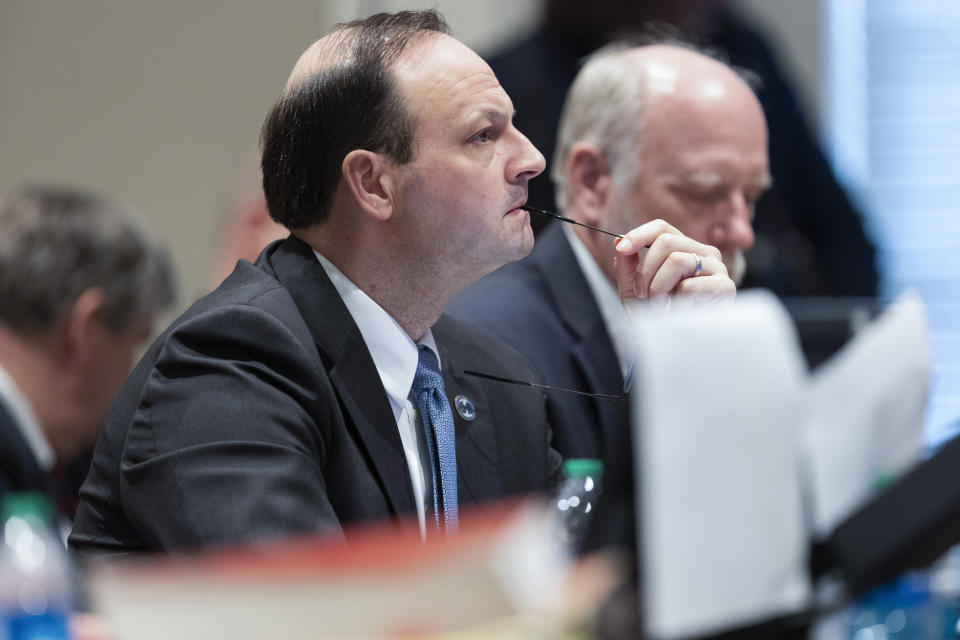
(658,227)
(676,259)
(663,242)
(671,240)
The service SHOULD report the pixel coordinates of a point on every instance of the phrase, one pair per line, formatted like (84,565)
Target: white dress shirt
(26,421)
(396,356)
(608,300)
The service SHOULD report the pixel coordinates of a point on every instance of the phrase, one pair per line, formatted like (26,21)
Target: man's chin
(515,247)
(526,245)
(523,240)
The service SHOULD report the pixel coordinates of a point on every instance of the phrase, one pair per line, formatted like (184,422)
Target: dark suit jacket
(19,470)
(543,306)
(259,413)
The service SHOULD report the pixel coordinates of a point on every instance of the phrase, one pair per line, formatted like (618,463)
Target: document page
(863,419)
(717,395)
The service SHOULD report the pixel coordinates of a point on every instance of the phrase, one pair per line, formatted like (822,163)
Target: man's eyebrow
(492,113)
(764,182)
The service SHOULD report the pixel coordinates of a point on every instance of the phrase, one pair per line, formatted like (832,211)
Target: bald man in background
(658,131)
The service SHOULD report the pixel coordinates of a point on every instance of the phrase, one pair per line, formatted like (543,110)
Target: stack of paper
(743,458)
(717,395)
(863,420)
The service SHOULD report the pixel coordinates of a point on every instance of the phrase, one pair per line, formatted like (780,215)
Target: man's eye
(483,136)
(705,195)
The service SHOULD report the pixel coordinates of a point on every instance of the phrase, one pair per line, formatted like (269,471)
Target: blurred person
(657,131)
(245,227)
(323,387)
(80,286)
(810,237)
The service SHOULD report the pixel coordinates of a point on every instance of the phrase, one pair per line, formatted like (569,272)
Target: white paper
(716,395)
(863,425)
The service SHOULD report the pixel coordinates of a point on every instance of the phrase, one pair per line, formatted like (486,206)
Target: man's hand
(669,266)
(87,626)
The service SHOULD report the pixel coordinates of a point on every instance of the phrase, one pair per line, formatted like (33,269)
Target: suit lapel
(349,365)
(592,349)
(605,377)
(478,472)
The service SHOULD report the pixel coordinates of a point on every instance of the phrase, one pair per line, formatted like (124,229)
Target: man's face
(703,166)
(460,195)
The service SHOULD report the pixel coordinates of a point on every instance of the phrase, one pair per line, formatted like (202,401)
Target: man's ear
(83,327)
(589,181)
(365,174)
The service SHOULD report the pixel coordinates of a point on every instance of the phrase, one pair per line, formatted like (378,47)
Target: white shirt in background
(26,421)
(608,300)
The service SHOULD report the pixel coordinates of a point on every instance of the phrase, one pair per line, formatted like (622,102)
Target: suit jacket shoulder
(225,412)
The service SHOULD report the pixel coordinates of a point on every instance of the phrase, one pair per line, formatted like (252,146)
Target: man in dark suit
(646,132)
(321,387)
(80,285)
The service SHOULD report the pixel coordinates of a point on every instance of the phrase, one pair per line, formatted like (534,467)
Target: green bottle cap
(29,505)
(583,467)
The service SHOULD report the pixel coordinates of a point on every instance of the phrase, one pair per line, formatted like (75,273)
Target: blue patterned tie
(437,420)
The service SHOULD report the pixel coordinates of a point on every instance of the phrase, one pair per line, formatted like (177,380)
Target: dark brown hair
(352,104)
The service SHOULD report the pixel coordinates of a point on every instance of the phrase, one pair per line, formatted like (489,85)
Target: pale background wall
(156,103)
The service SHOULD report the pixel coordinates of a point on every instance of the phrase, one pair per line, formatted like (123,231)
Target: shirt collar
(608,301)
(394,354)
(26,421)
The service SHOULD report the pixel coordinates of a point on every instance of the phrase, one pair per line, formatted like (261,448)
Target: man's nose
(740,231)
(528,161)
(734,228)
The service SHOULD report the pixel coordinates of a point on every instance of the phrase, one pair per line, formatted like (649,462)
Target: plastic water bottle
(34,571)
(576,499)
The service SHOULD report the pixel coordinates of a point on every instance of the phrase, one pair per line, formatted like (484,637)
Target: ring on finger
(699,268)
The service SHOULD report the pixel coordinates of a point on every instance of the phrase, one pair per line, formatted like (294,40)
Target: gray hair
(56,243)
(606,105)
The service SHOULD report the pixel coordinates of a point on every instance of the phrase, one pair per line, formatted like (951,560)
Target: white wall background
(157,103)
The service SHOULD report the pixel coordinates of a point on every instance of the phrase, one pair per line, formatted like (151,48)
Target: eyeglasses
(602,396)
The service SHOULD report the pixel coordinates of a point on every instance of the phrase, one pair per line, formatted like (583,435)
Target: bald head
(340,96)
(681,136)
(682,88)
(608,102)
(381,38)
(335,48)
(669,71)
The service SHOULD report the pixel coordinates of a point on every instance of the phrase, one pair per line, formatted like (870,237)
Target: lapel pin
(465,408)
